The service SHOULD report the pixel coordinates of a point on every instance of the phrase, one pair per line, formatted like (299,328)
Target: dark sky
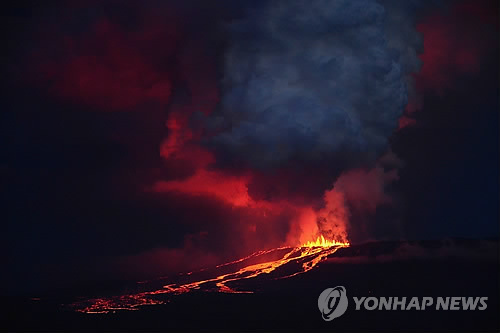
(122,155)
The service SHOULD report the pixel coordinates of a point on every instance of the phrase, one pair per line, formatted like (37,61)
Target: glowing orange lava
(321,241)
(307,256)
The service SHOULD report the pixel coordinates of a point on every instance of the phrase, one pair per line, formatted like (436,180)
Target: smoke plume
(257,123)
(315,80)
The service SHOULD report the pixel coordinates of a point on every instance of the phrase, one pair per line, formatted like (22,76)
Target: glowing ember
(307,256)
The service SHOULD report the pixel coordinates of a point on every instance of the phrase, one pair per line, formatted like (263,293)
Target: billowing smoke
(298,97)
(315,80)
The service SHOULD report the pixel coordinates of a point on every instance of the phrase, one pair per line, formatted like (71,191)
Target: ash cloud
(315,80)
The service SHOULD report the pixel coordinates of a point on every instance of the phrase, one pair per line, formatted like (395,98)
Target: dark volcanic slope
(433,268)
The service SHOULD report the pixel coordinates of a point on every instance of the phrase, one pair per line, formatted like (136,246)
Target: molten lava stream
(307,256)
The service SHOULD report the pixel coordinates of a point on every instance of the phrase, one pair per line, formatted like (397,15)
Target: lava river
(285,262)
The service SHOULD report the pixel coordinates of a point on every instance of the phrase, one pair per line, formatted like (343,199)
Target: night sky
(144,138)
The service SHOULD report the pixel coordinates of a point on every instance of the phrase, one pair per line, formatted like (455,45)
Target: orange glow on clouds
(230,189)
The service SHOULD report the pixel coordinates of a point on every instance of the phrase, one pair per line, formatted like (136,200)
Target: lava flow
(303,258)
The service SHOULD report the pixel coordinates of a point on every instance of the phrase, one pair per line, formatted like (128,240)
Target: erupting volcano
(240,157)
(291,262)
